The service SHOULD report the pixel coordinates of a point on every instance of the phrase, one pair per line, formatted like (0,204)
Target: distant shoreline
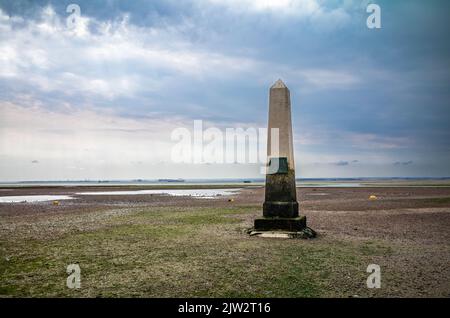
(201,183)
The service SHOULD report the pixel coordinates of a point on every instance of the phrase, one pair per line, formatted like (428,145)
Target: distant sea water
(301,182)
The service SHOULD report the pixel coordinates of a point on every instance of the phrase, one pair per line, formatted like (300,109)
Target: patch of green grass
(375,248)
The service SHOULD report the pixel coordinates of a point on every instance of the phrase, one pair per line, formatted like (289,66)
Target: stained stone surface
(287,224)
(280,195)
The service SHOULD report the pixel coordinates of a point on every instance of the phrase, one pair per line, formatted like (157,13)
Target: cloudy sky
(100,99)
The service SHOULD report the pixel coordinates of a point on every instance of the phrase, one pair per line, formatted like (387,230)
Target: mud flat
(155,245)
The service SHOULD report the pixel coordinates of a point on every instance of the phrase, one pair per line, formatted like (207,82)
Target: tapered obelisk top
(279,84)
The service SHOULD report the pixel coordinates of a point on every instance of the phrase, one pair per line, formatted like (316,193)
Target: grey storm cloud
(345,163)
(403,163)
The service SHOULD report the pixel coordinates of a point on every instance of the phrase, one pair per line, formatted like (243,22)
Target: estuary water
(196,193)
(33,198)
(199,193)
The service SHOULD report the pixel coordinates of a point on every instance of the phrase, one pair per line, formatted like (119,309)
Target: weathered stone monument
(280,209)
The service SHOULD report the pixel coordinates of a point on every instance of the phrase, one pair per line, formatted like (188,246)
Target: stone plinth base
(283,224)
(287,210)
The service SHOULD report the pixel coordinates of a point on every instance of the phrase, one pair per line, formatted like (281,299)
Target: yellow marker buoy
(373,197)
(55,202)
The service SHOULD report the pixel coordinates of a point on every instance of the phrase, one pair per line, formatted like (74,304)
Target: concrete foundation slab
(306,233)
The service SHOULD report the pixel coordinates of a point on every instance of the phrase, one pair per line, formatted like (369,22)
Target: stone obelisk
(280,209)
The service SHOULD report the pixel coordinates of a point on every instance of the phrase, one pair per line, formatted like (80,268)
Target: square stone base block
(282,224)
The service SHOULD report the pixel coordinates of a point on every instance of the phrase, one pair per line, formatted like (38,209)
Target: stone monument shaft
(281,197)
(280,209)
